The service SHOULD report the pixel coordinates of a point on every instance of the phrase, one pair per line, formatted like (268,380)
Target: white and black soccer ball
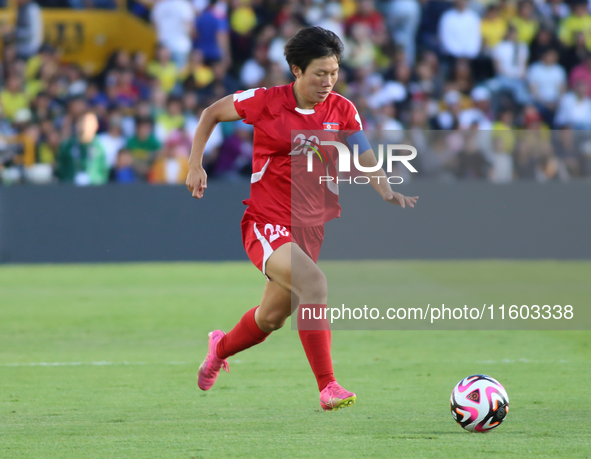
(479,403)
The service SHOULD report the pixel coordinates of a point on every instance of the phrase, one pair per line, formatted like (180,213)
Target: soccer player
(287,254)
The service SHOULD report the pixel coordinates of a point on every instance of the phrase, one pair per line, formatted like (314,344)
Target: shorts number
(275,232)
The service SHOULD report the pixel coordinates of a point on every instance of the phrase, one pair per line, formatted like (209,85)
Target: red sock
(314,333)
(245,334)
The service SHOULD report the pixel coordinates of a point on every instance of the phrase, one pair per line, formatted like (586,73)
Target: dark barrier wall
(151,223)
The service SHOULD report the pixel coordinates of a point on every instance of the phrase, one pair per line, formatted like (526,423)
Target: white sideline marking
(69,364)
(521,360)
(97,364)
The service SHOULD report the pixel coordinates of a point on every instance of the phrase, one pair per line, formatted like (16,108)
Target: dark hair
(312,43)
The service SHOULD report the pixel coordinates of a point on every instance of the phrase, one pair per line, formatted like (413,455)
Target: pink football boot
(211,366)
(334,397)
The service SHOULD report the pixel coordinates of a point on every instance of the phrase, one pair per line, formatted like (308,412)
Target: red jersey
(274,191)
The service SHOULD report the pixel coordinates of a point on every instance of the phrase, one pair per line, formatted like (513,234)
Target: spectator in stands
(361,50)
(461,78)
(547,82)
(48,148)
(480,115)
(493,27)
(124,171)
(332,19)
(447,116)
(276,48)
(503,129)
(172,165)
(223,83)
(459,31)
(175,27)
(404,17)
(142,79)
(368,15)
(243,21)
(525,22)
(542,42)
(215,139)
(510,59)
(574,55)
(26,136)
(29,29)
(13,98)
(582,72)
(507,9)
(578,21)
(534,156)
(170,120)
(235,155)
(143,147)
(51,95)
(81,159)
(574,109)
(163,69)
(212,37)
(253,70)
(196,75)
(553,12)
(76,80)
(426,82)
(112,140)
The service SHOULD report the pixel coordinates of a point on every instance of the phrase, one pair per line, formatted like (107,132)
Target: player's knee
(272,321)
(315,289)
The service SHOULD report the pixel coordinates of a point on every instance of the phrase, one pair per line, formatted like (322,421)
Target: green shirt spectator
(143,147)
(82,160)
(82,163)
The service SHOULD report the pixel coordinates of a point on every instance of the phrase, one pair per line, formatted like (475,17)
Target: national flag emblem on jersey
(332,127)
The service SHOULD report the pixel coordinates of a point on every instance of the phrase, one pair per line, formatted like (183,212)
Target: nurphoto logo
(312,146)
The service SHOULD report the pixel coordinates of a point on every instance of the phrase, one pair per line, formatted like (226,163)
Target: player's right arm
(222,110)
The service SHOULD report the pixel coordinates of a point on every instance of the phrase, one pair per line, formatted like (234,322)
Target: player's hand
(400,199)
(196,181)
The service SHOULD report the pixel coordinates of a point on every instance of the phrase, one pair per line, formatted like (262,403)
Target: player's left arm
(379,181)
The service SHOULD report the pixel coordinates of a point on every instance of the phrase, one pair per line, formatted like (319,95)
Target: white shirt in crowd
(470,116)
(511,59)
(276,53)
(547,81)
(173,20)
(252,73)
(574,112)
(111,145)
(215,139)
(459,33)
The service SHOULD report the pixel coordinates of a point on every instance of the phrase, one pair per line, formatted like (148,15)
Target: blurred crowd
(490,90)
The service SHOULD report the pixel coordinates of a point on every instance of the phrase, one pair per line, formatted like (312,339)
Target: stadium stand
(518,70)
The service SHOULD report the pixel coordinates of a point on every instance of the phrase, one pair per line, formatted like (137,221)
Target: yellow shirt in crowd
(573,24)
(526,28)
(12,103)
(493,31)
(166,74)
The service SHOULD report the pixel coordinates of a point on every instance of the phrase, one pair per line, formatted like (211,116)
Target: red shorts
(262,237)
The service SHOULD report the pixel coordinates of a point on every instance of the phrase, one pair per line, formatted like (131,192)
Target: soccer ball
(479,403)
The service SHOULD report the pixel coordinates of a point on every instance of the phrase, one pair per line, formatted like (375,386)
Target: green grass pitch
(100,361)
